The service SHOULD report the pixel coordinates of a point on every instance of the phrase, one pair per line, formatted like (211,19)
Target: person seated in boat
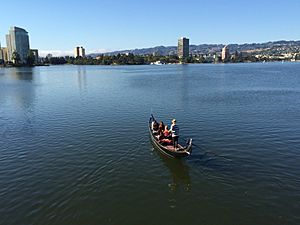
(166,132)
(154,127)
(166,140)
(175,133)
(161,129)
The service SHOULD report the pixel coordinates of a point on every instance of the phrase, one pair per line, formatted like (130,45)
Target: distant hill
(273,47)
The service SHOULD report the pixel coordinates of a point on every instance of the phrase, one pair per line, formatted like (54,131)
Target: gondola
(168,149)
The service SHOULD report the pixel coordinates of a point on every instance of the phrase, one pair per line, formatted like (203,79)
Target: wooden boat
(168,149)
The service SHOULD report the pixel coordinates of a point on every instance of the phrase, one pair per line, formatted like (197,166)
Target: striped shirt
(175,130)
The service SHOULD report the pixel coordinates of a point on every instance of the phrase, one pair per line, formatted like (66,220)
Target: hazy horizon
(58,53)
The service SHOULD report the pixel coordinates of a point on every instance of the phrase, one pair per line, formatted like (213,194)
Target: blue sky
(106,25)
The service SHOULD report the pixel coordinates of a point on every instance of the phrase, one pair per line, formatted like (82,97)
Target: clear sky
(105,25)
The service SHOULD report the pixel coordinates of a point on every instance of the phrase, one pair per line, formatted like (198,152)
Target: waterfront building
(183,49)
(82,52)
(225,53)
(35,53)
(76,52)
(79,52)
(17,40)
(4,54)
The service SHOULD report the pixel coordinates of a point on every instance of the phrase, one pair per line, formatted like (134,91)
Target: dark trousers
(175,141)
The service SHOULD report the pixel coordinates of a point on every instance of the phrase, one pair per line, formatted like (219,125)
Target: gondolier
(175,133)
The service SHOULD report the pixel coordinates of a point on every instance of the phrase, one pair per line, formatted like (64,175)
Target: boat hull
(180,153)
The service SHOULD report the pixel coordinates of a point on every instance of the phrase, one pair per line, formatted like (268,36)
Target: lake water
(75,149)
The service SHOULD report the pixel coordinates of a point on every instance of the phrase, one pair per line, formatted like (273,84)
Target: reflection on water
(81,78)
(179,172)
(24,94)
(22,73)
(21,95)
(183,88)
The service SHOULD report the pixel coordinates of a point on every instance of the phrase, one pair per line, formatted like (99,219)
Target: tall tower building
(76,52)
(82,52)
(17,40)
(225,53)
(183,49)
(79,52)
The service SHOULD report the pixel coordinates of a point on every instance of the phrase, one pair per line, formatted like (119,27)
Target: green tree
(30,59)
(16,57)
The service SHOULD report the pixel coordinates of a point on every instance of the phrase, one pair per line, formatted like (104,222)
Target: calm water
(74,147)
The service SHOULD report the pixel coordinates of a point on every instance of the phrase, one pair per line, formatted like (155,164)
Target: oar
(187,140)
(215,154)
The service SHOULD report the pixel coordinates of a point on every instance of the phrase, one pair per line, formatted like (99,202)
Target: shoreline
(183,64)
(152,64)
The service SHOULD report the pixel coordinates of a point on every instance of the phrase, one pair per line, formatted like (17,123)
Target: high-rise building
(17,40)
(79,52)
(82,52)
(76,52)
(183,49)
(225,53)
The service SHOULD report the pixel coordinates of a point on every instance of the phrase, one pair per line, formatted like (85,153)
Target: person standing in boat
(175,133)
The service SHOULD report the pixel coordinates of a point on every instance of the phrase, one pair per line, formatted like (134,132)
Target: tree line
(131,59)
(119,59)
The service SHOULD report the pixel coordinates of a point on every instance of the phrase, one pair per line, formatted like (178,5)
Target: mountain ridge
(273,46)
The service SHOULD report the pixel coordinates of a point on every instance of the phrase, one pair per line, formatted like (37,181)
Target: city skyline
(118,25)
